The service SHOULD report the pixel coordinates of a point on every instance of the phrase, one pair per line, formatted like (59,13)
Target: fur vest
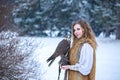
(74,58)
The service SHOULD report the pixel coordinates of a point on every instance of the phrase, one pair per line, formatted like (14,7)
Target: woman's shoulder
(87,45)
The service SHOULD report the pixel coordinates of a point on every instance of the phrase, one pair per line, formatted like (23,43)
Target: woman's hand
(65,67)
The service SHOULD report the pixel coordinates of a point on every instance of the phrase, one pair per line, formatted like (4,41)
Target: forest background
(46,18)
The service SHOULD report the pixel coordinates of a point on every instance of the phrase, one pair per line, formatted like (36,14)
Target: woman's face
(78,31)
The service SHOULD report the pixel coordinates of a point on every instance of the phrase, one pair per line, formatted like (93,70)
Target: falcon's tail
(50,58)
(51,61)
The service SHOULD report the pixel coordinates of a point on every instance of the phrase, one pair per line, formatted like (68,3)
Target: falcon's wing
(61,49)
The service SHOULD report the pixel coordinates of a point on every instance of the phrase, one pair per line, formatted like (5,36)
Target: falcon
(61,49)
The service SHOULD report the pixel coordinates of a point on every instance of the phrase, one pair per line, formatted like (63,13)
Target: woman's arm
(85,63)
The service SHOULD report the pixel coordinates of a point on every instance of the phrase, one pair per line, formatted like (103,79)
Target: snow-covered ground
(108,57)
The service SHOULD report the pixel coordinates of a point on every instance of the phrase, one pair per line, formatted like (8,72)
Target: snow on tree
(15,58)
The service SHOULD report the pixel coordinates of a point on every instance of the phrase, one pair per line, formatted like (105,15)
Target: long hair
(88,32)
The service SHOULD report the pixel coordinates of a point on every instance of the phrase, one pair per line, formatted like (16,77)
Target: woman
(82,55)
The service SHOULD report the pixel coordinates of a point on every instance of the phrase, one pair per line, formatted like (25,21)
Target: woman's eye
(78,28)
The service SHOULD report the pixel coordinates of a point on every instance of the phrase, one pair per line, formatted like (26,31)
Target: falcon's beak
(68,37)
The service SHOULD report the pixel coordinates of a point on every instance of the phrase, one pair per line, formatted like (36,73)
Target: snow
(107,58)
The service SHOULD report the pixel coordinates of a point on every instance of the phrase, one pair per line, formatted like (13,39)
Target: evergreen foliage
(35,17)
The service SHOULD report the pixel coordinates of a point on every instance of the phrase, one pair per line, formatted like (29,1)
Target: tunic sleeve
(85,63)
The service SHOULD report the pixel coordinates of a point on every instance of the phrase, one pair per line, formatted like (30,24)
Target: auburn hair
(88,32)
